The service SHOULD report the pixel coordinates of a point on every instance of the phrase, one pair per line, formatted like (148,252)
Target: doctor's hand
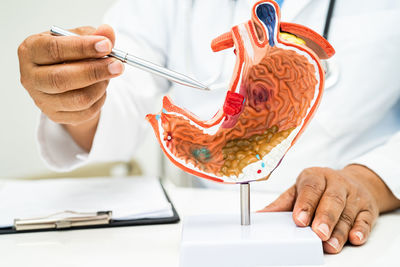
(339,205)
(67,77)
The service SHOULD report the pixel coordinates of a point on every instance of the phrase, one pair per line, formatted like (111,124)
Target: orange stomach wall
(278,92)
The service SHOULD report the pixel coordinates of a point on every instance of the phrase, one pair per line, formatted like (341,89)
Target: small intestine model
(275,90)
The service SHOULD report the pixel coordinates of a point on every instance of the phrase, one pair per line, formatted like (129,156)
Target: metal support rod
(245,204)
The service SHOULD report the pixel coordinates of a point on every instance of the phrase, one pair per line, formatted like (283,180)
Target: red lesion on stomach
(279,91)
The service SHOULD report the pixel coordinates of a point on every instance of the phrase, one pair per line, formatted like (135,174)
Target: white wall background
(18,115)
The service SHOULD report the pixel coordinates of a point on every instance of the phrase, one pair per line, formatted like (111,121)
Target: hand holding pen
(73,93)
(64,80)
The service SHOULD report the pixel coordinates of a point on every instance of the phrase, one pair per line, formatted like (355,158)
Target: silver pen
(142,64)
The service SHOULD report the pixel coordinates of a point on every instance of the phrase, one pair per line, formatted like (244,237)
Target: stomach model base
(275,90)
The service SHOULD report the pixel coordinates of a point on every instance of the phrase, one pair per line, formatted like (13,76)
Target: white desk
(158,245)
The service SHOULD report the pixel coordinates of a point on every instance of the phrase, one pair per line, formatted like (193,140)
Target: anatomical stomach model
(275,90)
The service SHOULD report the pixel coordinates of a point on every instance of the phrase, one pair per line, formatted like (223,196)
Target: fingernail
(323,229)
(116,67)
(333,242)
(303,218)
(103,46)
(359,235)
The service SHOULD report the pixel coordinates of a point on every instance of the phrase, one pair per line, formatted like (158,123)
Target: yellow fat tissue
(291,38)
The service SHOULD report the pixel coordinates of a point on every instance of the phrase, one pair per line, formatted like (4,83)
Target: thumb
(284,202)
(84,30)
(103,30)
(107,31)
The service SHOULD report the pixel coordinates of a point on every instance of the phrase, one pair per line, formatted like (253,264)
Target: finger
(310,187)
(78,117)
(74,100)
(330,208)
(284,202)
(362,227)
(48,49)
(341,231)
(60,78)
(336,242)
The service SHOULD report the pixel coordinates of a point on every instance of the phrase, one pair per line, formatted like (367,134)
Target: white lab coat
(358,120)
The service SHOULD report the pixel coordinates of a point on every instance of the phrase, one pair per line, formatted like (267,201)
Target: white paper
(127,198)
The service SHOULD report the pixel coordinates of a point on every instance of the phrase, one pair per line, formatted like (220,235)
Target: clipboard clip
(63,220)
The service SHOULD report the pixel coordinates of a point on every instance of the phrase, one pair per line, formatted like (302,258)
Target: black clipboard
(112,223)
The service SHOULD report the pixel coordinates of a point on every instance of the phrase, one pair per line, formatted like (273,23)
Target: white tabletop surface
(158,245)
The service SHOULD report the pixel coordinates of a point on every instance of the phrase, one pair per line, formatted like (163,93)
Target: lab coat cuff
(57,148)
(384,166)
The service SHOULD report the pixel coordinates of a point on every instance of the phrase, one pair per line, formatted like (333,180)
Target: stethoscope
(216,82)
(330,66)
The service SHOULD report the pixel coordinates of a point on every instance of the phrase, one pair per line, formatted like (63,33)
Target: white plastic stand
(272,239)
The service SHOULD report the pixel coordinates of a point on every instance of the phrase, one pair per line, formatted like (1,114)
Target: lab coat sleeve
(384,161)
(142,29)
